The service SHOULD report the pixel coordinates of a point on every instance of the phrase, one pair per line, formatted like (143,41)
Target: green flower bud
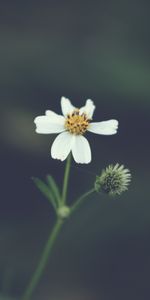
(113,180)
(63,212)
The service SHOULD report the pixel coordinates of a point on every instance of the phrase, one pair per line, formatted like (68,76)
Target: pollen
(77,124)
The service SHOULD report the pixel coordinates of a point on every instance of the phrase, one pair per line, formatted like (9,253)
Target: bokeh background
(78,49)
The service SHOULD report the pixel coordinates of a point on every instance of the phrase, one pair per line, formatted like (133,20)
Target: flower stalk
(81,200)
(43,260)
(66,179)
(63,212)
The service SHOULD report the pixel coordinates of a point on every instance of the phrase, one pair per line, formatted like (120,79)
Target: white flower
(71,126)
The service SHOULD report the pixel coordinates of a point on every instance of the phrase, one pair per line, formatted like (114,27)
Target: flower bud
(113,180)
(63,212)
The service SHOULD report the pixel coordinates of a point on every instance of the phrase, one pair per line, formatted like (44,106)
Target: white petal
(105,127)
(55,117)
(81,150)
(88,109)
(47,125)
(66,106)
(62,146)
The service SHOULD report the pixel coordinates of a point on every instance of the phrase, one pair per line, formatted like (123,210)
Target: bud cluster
(113,180)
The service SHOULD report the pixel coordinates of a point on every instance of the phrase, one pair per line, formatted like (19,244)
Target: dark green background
(78,49)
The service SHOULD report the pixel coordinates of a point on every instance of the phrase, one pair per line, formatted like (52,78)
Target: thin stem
(80,200)
(43,261)
(66,178)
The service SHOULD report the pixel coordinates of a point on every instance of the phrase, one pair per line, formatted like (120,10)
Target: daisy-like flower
(71,127)
(114,180)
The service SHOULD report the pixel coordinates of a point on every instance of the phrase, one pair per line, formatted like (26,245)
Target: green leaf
(45,190)
(54,188)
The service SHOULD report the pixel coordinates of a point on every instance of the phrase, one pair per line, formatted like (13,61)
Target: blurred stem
(80,200)
(43,261)
(66,178)
(51,240)
(55,231)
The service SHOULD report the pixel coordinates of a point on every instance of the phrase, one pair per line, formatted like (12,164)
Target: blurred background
(78,49)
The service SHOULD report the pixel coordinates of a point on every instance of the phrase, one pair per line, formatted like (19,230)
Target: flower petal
(46,125)
(81,150)
(66,106)
(88,109)
(62,146)
(55,117)
(106,127)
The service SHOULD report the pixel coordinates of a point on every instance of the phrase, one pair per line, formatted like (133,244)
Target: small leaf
(45,190)
(54,188)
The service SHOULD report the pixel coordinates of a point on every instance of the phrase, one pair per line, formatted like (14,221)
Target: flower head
(72,125)
(113,180)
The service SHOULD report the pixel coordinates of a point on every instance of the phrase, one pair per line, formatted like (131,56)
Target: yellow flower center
(77,124)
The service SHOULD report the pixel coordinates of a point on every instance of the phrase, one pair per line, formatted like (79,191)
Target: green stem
(81,199)
(43,261)
(66,178)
